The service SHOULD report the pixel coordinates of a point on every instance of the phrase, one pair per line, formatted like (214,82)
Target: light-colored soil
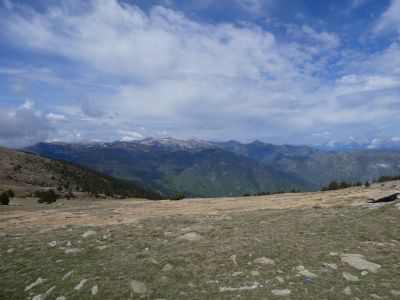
(26,212)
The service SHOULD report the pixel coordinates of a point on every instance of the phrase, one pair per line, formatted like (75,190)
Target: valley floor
(330,245)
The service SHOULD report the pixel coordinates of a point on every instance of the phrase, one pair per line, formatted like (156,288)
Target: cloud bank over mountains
(106,70)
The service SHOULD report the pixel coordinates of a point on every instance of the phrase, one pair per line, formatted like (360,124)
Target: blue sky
(324,73)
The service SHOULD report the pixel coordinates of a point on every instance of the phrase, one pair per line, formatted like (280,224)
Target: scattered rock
(397,205)
(72,250)
(45,295)
(233,259)
(242,288)
(61,298)
(333,253)
(11,250)
(280,279)
(234,274)
(264,261)
(102,247)
(167,268)
(106,236)
(255,273)
(89,233)
(303,271)
(80,284)
(192,285)
(191,236)
(67,275)
(332,266)
(284,292)
(140,288)
(395,292)
(350,277)
(53,244)
(364,273)
(69,244)
(358,262)
(375,296)
(95,289)
(33,284)
(347,291)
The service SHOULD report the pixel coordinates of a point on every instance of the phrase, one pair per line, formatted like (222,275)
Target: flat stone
(191,237)
(53,244)
(102,247)
(350,277)
(233,259)
(139,287)
(375,296)
(45,295)
(80,284)
(255,273)
(333,253)
(234,274)
(395,292)
(280,279)
(94,290)
(89,233)
(284,292)
(332,266)
(67,275)
(308,274)
(60,298)
(33,284)
(72,250)
(347,291)
(167,268)
(264,261)
(358,262)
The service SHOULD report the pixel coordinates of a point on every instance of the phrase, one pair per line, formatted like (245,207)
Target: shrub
(177,196)
(4,200)
(69,195)
(10,193)
(48,197)
(367,183)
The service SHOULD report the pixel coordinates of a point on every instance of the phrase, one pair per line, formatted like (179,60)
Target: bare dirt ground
(26,212)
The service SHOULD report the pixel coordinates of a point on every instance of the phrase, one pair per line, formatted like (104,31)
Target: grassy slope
(34,172)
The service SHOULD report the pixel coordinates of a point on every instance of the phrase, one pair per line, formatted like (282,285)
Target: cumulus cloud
(23,126)
(210,80)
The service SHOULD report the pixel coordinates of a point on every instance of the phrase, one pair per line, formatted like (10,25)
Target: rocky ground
(331,245)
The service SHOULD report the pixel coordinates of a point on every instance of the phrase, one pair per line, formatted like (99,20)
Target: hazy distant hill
(319,167)
(194,167)
(202,168)
(29,172)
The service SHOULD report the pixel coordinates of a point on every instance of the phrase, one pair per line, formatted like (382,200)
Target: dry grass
(143,236)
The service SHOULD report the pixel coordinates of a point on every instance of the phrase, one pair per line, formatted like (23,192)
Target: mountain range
(209,169)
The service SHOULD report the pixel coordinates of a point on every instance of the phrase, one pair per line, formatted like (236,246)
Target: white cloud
(55,117)
(128,136)
(23,126)
(189,78)
(390,19)
(328,39)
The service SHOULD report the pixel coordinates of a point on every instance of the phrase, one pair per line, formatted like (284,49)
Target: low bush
(4,200)
(48,197)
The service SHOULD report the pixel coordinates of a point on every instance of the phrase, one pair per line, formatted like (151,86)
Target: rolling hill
(28,172)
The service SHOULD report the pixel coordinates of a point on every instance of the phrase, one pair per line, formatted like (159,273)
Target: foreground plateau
(323,245)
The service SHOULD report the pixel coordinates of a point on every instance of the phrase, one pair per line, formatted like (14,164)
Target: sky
(316,72)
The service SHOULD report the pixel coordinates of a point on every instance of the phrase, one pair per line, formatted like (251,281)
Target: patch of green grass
(140,251)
